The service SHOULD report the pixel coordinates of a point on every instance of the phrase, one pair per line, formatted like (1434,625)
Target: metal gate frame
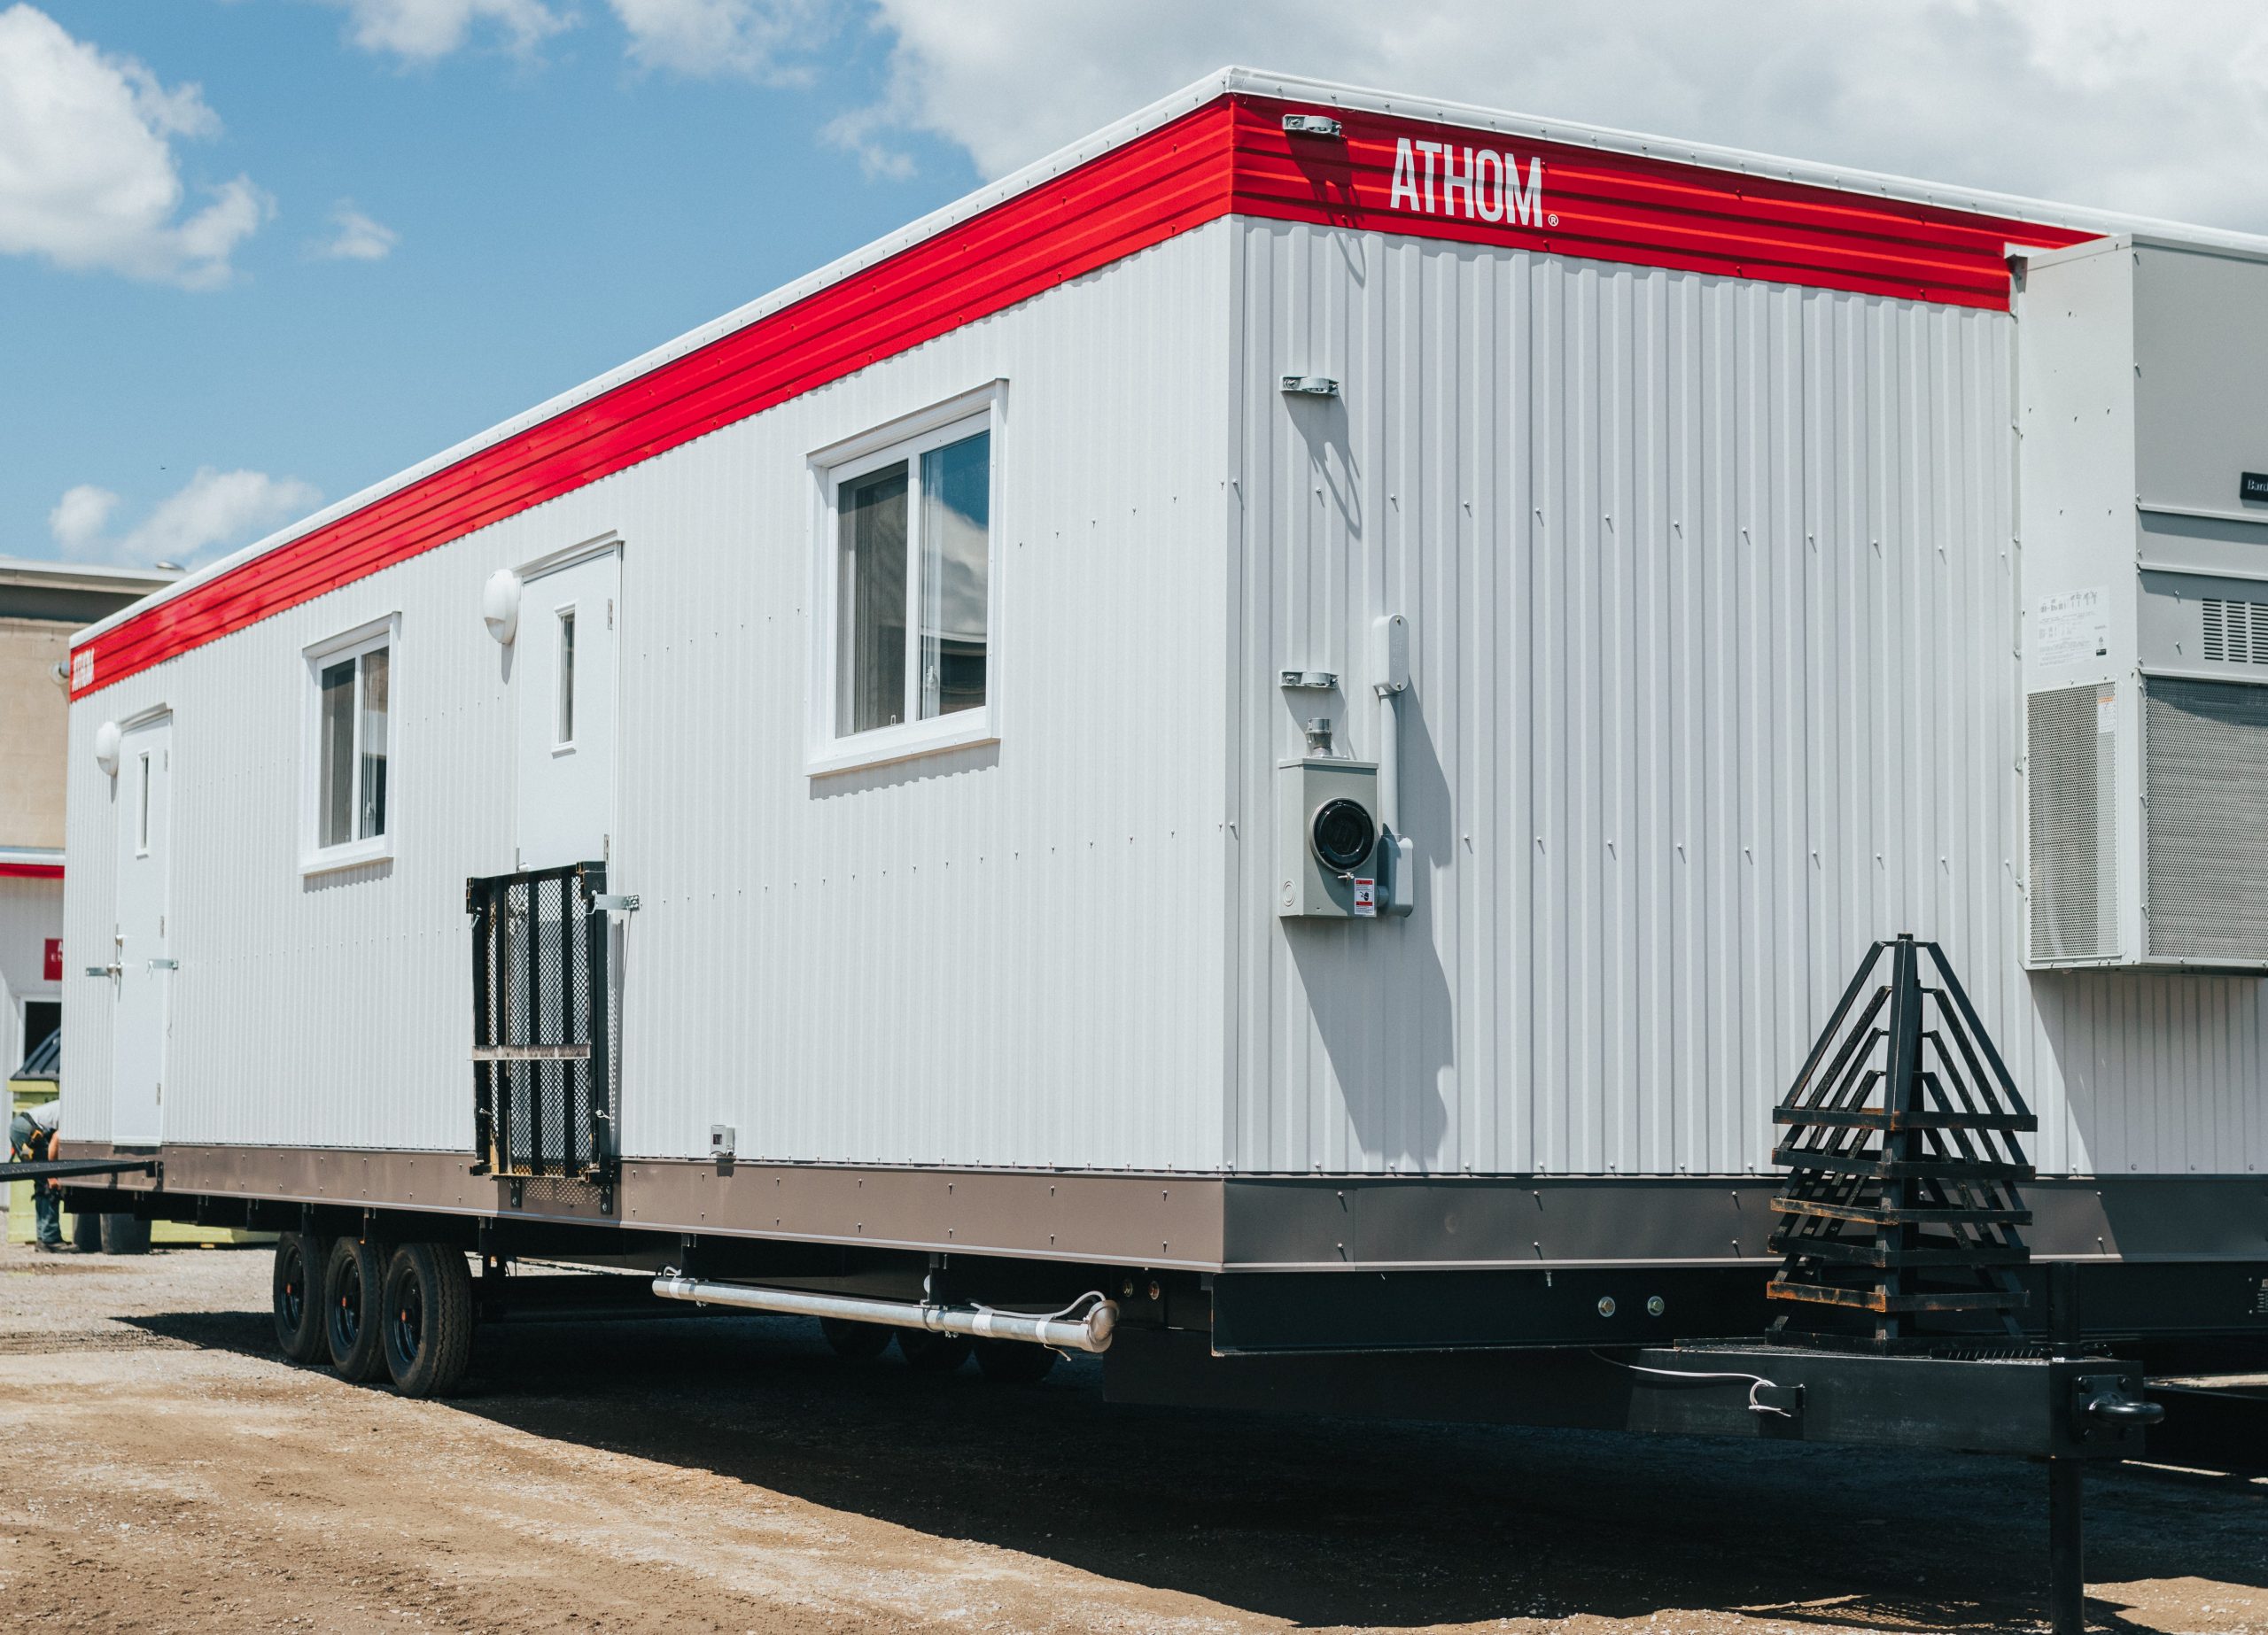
(543,1028)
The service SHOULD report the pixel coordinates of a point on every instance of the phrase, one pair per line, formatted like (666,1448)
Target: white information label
(1366,899)
(2071,627)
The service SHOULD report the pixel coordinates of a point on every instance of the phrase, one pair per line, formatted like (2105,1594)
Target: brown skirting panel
(1206,1222)
(1154,1220)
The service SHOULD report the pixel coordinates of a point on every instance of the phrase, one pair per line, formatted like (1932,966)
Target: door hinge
(165,964)
(614,902)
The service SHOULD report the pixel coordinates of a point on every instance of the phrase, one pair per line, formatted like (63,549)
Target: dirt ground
(161,1469)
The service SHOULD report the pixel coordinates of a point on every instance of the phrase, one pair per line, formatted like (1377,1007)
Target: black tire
(426,1322)
(124,1235)
(86,1234)
(295,1294)
(353,1292)
(1014,1362)
(855,1342)
(929,1353)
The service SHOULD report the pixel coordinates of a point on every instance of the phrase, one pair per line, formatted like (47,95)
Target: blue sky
(257,254)
(550,216)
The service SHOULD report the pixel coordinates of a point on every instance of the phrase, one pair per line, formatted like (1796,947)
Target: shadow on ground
(1323,1523)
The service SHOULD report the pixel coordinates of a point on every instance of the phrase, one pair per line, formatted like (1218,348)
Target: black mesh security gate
(543,1026)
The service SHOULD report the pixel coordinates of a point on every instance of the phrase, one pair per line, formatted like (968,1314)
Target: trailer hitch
(2112,1402)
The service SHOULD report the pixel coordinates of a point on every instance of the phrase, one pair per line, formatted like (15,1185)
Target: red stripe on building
(1232,155)
(1623,208)
(1149,190)
(31,870)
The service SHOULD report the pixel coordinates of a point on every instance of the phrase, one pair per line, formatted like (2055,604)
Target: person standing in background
(31,1137)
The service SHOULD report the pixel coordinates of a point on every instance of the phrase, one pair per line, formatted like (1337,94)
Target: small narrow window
(353,744)
(371,803)
(871,597)
(142,824)
(566,676)
(956,558)
(337,774)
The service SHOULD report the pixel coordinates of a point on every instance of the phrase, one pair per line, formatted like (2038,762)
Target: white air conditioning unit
(2142,389)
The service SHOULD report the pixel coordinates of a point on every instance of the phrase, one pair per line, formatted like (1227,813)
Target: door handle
(109,971)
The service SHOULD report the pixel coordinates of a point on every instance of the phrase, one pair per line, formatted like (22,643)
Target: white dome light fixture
(107,739)
(500,605)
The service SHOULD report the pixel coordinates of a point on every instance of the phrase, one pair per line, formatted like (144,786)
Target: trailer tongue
(65,1169)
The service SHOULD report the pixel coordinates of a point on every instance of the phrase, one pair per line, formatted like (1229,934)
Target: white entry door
(143,944)
(563,671)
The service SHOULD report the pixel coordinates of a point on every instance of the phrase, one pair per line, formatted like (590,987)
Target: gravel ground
(164,1471)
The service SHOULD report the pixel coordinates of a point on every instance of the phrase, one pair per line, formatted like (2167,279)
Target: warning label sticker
(1366,899)
(2071,627)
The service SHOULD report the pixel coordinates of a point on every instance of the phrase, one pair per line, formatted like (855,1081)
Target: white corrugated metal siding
(1712,589)
(89,902)
(994,957)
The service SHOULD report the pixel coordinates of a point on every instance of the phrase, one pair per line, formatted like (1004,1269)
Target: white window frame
(315,858)
(907,439)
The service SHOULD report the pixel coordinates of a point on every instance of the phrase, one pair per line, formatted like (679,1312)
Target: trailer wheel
(1014,1362)
(929,1353)
(296,1294)
(125,1234)
(428,1320)
(354,1285)
(87,1233)
(855,1342)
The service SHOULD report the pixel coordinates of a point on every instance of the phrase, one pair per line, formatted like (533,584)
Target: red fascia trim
(1232,155)
(1141,193)
(31,870)
(1623,208)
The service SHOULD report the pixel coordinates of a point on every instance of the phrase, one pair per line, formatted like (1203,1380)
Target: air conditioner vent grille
(2074,896)
(2236,632)
(2205,771)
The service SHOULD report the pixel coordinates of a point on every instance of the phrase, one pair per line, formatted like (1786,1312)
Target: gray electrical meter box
(1327,833)
(2142,389)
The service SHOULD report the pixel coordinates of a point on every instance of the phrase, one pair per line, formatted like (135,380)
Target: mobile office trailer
(1297,714)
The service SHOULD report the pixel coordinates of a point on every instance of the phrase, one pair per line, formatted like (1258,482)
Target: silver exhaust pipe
(1085,1325)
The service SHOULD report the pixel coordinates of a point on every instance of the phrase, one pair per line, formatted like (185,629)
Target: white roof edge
(1257,82)
(102,575)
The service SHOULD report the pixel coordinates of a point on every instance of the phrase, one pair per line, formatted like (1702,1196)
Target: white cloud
(88,177)
(423,30)
(2162,110)
(359,239)
(80,517)
(706,38)
(213,512)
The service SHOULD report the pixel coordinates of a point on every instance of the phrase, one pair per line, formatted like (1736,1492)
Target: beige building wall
(32,715)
